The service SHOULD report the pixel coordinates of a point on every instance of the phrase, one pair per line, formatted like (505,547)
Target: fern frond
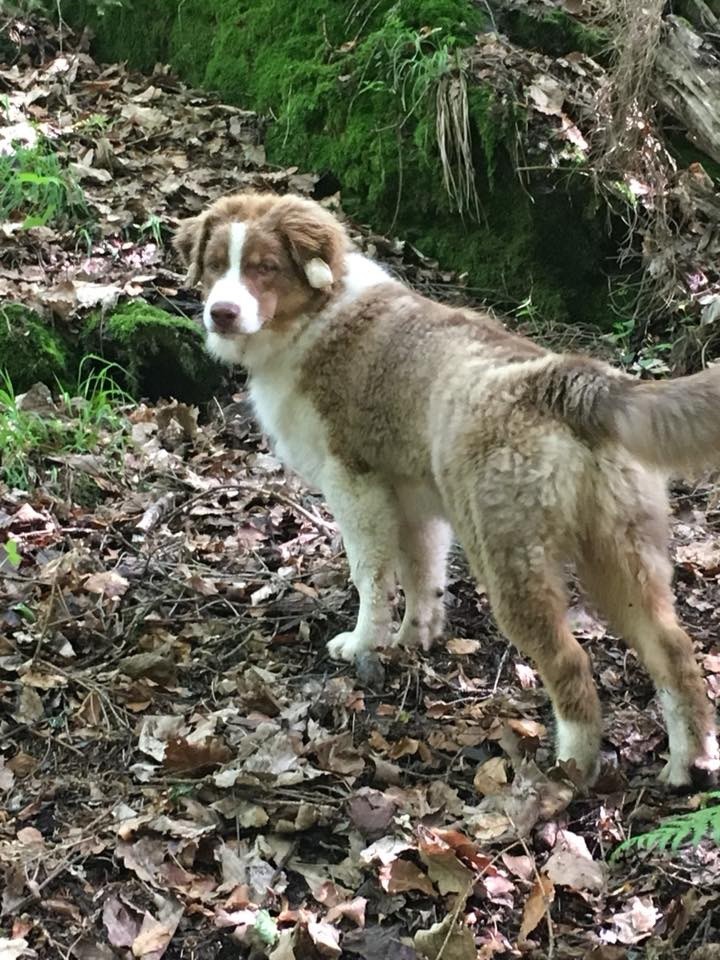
(674,831)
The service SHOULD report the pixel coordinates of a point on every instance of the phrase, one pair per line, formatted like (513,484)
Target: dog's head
(262,261)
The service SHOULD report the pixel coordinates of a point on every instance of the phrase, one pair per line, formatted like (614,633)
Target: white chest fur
(289,418)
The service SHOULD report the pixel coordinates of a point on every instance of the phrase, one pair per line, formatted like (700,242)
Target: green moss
(554,32)
(163,354)
(351,86)
(30,349)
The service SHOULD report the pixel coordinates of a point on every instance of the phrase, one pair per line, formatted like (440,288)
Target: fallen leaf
(536,907)
(378,943)
(325,937)
(571,865)
(353,910)
(461,647)
(402,875)
(372,812)
(15,949)
(107,584)
(490,777)
(121,924)
(195,759)
(527,728)
(445,870)
(284,947)
(636,922)
(30,706)
(454,939)
(547,95)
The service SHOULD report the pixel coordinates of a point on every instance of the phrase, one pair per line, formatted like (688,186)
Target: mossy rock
(351,85)
(31,350)
(162,354)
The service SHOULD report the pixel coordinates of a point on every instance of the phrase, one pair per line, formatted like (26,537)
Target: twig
(538,878)
(54,874)
(313,518)
(461,901)
(501,667)
(155,512)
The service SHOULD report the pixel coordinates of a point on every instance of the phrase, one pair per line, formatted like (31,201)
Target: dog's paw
(675,774)
(348,646)
(702,774)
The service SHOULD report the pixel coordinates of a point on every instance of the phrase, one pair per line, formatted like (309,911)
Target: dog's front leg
(366,512)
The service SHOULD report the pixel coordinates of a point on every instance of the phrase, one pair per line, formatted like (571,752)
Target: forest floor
(184,772)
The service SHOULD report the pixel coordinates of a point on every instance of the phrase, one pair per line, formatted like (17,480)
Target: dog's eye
(265,269)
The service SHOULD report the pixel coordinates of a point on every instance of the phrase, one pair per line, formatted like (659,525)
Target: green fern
(674,831)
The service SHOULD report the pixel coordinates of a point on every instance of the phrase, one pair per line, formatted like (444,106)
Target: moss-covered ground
(30,349)
(160,353)
(351,87)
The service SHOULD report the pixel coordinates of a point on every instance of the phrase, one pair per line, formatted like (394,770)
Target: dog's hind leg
(528,600)
(514,511)
(626,571)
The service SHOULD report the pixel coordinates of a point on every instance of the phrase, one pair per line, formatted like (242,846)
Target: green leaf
(266,927)
(674,831)
(12,554)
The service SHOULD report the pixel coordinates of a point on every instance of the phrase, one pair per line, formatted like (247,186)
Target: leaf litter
(183,770)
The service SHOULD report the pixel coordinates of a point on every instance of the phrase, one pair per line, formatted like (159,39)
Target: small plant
(35,187)
(95,123)
(152,228)
(424,73)
(84,420)
(674,831)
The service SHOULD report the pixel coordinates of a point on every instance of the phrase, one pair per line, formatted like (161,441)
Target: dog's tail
(671,424)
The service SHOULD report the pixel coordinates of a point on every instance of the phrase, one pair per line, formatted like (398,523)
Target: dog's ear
(190,240)
(316,241)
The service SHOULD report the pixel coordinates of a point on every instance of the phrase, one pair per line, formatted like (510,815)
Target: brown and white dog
(415,418)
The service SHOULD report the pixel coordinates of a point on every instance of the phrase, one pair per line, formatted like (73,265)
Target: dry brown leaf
(400,876)
(283,949)
(30,836)
(536,907)
(527,728)
(325,937)
(461,647)
(197,758)
(445,870)
(372,812)
(521,866)
(120,922)
(490,777)
(30,706)
(571,865)
(107,583)
(353,910)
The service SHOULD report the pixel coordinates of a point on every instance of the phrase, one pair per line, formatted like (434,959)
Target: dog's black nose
(224,315)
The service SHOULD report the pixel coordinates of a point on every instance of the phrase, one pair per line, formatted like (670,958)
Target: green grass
(36,189)
(86,419)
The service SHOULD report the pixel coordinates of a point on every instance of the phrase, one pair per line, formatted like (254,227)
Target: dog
(416,419)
